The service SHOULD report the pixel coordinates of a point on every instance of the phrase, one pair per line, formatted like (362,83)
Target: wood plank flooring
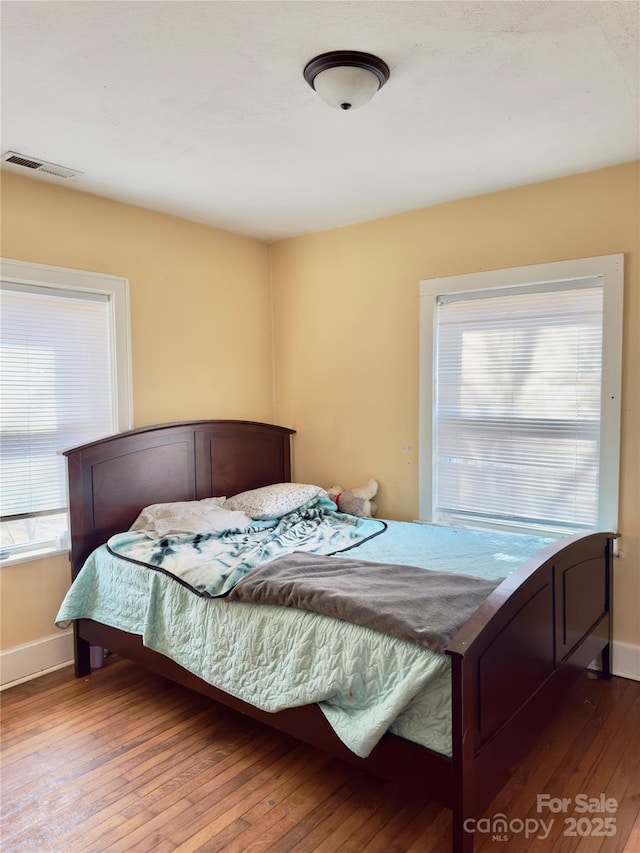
(126,762)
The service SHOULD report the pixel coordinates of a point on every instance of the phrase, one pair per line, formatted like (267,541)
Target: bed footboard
(513,660)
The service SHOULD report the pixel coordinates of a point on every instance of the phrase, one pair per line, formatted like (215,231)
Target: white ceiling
(199,109)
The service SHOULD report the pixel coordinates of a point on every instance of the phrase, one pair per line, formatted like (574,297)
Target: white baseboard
(22,663)
(626,661)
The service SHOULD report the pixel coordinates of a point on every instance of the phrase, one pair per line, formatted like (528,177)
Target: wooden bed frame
(510,662)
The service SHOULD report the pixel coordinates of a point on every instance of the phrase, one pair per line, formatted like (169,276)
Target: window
(64,380)
(520,397)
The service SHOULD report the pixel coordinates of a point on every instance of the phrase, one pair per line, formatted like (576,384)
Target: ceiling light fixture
(346,79)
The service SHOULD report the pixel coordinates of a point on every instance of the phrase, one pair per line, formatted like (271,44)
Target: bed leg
(462,841)
(605,663)
(81,654)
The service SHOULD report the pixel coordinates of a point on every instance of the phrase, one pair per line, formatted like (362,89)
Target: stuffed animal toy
(355,501)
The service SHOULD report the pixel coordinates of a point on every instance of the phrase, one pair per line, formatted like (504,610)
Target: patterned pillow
(274,501)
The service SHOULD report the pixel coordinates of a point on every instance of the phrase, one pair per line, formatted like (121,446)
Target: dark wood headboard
(111,480)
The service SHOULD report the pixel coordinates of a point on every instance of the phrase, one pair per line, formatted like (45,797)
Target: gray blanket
(418,605)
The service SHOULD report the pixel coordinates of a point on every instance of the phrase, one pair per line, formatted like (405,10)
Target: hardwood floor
(126,761)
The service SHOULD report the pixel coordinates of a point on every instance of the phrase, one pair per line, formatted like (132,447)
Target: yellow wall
(346,331)
(30,595)
(200,326)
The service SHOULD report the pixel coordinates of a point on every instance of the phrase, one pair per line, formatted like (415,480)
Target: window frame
(25,276)
(608,267)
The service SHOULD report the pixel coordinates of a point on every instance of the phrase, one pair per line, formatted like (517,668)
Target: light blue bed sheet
(482,553)
(273,657)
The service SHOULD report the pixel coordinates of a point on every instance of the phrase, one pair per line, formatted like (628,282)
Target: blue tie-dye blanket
(212,564)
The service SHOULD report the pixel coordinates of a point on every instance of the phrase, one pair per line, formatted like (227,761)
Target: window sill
(32,556)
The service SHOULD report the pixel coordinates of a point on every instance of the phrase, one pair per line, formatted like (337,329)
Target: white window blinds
(57,390)
(517,407)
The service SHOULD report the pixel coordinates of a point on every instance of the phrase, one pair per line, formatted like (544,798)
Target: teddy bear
(355,501)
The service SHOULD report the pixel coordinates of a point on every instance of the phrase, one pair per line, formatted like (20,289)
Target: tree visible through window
(517,380)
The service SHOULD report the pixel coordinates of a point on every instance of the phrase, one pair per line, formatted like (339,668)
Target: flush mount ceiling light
(346,79)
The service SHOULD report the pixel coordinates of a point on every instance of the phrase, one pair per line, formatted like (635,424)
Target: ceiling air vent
(34,165)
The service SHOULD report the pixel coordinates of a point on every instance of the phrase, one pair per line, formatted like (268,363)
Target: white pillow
(189,517)
(274,501)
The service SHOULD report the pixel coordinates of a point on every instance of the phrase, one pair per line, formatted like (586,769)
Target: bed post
(462,742)
(81,653)
(605,654)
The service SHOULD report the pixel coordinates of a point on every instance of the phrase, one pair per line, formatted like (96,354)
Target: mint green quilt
(365,682)
(272,657)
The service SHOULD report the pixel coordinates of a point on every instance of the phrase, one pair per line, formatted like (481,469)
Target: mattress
(364,681)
